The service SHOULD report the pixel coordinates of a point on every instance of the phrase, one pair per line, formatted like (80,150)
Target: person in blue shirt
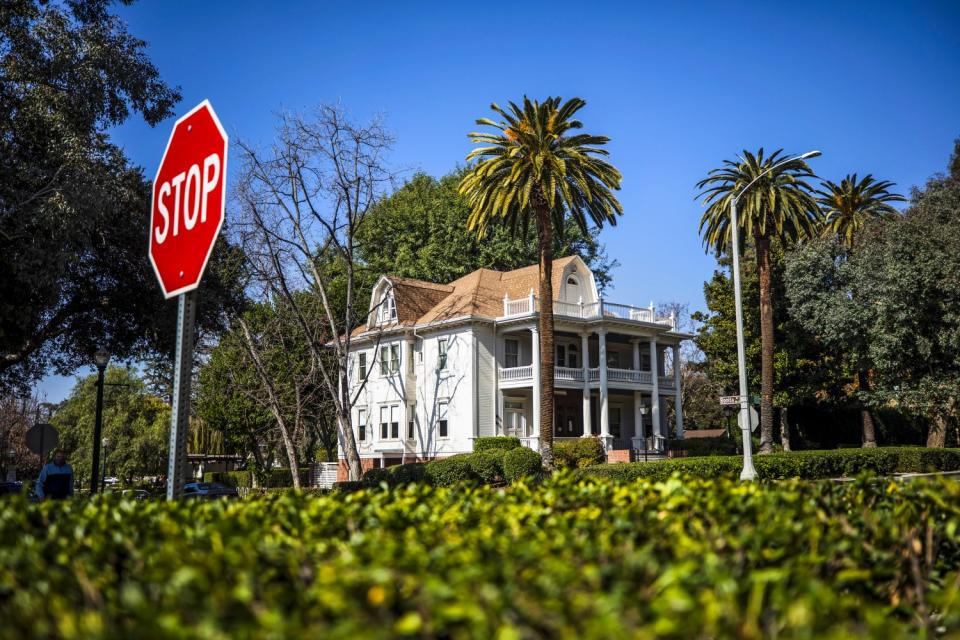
(56,479)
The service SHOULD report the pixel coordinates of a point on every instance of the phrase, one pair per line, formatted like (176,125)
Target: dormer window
(388,311)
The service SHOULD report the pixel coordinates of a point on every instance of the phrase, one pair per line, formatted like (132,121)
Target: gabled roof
(479,293)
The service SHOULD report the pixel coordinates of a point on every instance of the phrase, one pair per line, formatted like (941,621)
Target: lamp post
(100,358)
(748,473)
(103,476)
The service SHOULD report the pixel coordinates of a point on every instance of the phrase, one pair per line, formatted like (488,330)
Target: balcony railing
(575,374)
(587,310)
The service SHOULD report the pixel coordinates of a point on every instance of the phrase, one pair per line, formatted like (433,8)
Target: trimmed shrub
(487,465)
(281,477)
(793,560)
(810,465)
(373,477)
(408,473)
(496,442)
(521,463)
(450,471)
(575,454)
(705,446)
(236,479)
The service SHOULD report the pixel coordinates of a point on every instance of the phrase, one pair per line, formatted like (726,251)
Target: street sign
(41,439)
(754,419)
(186,214)
(727,401)
(189,198)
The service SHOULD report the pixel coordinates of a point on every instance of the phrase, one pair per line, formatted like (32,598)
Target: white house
(438,365)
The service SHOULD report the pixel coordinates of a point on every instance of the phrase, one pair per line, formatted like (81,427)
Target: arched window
(573,289)
(388,309)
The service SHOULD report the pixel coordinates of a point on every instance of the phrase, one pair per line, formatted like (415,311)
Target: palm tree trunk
(766,345)
(869,433)
(545,233)
(937,435)
(784,429)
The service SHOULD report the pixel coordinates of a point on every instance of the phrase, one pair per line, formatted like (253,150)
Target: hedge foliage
(496,442)
(521,463)
(575,454)
(274,478)
(811,465)
(722,446)
(565,559)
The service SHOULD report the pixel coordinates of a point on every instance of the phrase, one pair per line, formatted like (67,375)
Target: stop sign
(189,197)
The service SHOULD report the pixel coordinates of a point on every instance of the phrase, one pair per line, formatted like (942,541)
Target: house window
(389,359)
(573,357)
(362,425)
(613,359)
(644,361)
(410,422)
(442,427)
(442,354)
(561,355)
(362,365)
(511,353)
(615,416)
(388,310)
(389,422)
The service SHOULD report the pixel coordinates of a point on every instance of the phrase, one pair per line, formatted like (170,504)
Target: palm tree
(535,168)
(846,208)
(778,206)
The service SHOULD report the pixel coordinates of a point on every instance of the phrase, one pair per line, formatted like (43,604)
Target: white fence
(587,310)
(325,474)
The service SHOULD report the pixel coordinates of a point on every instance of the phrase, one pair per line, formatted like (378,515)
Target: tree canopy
(73,211)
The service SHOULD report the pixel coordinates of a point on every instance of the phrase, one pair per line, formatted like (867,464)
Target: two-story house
(443,364)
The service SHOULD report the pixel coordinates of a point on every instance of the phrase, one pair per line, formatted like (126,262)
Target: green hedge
(496,442)
(273,479)
(575,454)
(564,559)
(521,463)
(450,471)
(721,446)
(811,465)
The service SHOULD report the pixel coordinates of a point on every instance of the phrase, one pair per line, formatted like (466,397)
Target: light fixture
(101,358)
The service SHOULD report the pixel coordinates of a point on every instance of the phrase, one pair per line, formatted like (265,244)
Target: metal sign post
(182,374)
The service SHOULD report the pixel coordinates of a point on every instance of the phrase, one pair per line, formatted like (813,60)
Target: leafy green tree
(822,292)
(136,423)
(536,169)
(779,206)
(420,231)
(848,206)
(805,372)
(73,270)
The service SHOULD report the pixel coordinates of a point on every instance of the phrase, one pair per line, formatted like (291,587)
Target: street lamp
(748,473)
(103,476)
(100,358)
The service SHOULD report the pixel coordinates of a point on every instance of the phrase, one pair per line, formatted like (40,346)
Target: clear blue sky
(677,86)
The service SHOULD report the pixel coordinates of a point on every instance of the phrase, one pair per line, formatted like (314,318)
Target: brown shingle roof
(479,293)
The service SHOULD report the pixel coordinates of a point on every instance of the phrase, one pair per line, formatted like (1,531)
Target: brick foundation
(343,469)
(618,455)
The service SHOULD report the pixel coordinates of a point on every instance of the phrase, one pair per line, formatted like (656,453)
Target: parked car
(11,487)
(208,491)
(136,494)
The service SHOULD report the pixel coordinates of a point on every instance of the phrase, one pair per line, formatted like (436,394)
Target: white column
(638,434)
(535,367)
(655,396)
(585,350)
(636,355)
(677,397)
(604,400)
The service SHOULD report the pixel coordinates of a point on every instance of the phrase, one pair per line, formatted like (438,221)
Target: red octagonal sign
(189,198)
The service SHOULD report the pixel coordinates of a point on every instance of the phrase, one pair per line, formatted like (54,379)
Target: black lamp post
(103,475)
(100,358)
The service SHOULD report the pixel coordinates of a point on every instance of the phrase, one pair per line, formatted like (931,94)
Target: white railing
(587,310)
(666,382)
(517,307)
(628,375)
(516,373)
(568,373)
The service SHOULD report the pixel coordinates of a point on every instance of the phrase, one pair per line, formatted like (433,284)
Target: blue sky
(677,86)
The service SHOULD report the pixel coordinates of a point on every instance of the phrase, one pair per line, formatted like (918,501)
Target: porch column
(535,367)
(639,437)
(585,350)
(636,354)
(604,400)
(655,396)
(677,397)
